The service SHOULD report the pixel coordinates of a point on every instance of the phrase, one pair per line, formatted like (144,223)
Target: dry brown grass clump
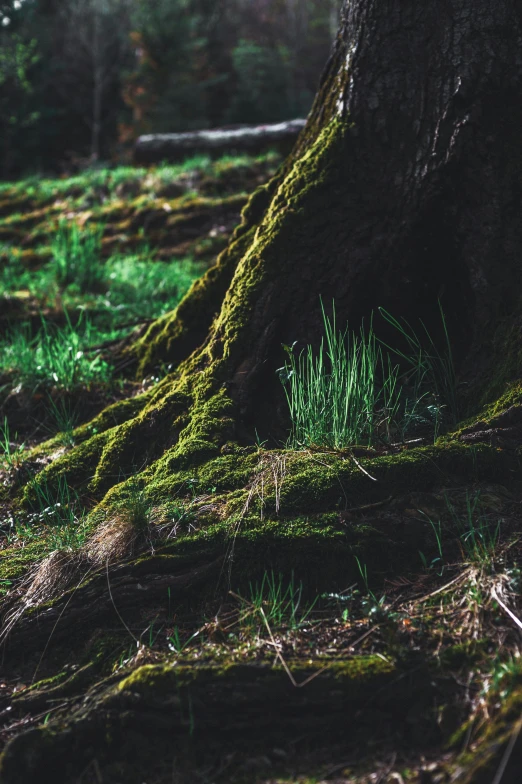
(114,540)
(47,580)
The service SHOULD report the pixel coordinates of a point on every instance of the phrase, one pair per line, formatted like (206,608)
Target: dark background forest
(81,79)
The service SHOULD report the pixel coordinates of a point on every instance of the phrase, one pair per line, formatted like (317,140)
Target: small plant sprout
(275,604)
(478,536)
(437,562)
(363,571)
(64,417)
(372,606)
(175,643)
(10,453)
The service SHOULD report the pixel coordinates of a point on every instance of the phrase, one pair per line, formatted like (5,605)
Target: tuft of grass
(64,417)
(57,514)
(176,644)
(430,368)
(125,530)
(346,394)
(114,540)
(478,536)
(505,676)
(353,393)
(275,604)
(438,560)
(13,276)
(77,257)
(10,452)
(54,358)
(137,508)
(143,288)
(53,506)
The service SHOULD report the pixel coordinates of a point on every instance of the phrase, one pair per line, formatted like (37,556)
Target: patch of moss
(15,561)
(510,395)
(173,338)
(464,654)
(353,674)
(481,761)
(76,466)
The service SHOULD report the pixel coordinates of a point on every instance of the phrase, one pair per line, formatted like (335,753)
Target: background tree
(95,49)
(18,57)
(112,69)
(167,88)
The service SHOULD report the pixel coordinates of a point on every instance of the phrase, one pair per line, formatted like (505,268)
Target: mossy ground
(275,584)
(254,614)
(160,229)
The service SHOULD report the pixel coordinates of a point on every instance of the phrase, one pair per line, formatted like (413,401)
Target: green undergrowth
(188,209)
(41,188)
(57,235)
(57,358)
(260,509)
(86,261)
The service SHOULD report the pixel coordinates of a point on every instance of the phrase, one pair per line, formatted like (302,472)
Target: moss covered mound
(148,692)
(160,716)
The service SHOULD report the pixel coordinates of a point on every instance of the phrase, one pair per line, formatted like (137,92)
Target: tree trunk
(403,190)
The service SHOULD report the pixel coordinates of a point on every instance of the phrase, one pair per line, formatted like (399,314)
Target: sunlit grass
(77,257)
(149,289)
(93,179)
(56,357)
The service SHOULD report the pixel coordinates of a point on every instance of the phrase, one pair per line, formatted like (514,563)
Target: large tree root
(160,714)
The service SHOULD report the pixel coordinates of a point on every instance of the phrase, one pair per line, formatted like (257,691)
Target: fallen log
(157,147)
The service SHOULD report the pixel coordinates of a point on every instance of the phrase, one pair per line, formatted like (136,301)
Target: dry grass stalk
(45,582)
(114,540)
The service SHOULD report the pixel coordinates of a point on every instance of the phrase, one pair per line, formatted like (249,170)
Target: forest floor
(276,615)
(87,260)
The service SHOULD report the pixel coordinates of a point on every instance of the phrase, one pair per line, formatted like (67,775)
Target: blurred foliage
(17,58)
(81,79)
